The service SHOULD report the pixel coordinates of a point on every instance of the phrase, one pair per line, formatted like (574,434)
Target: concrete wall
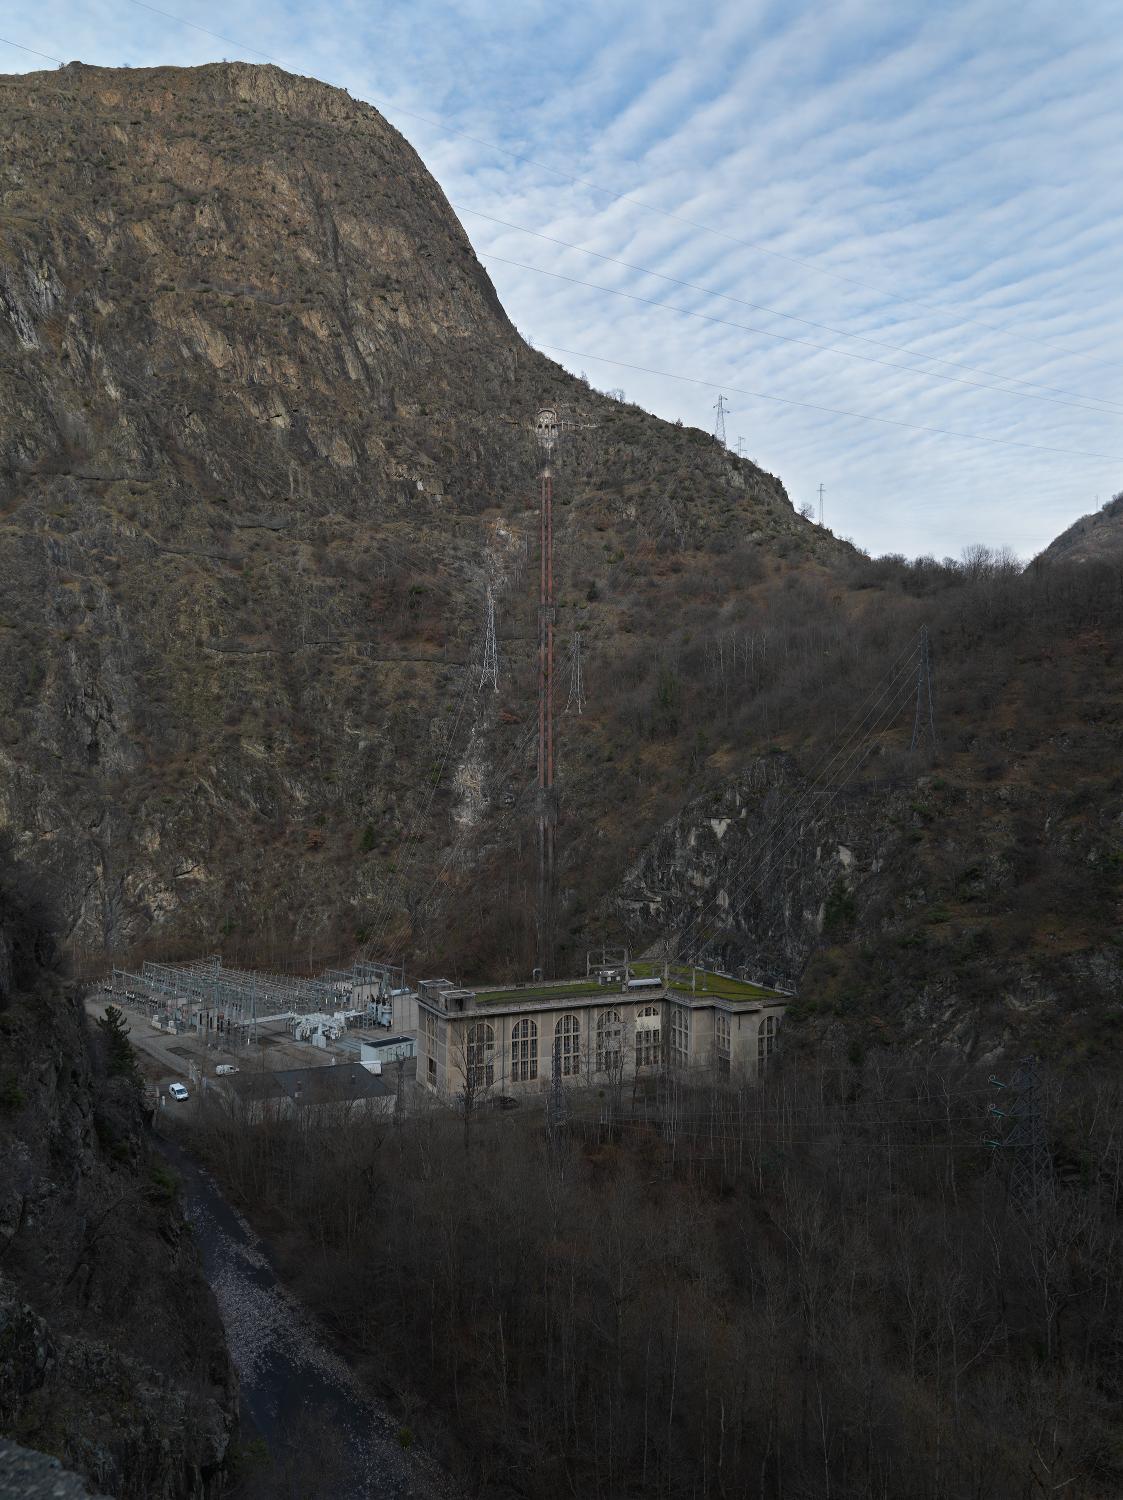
(404,1017)
(442,1041)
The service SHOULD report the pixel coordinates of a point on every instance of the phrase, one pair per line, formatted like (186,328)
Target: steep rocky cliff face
(1096,538)
(264,444)
(112,1357)
(746,873)
(929,910)
(265,449)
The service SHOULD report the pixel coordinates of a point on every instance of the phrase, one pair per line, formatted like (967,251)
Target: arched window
(765,1041)
(567,1045)
(480,1070)
(429,1030)
(649,1050)
(680,1036)
(721,1042)
(524,1051)
(610,1038)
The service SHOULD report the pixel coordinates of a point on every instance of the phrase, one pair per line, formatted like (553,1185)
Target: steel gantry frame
(203,994)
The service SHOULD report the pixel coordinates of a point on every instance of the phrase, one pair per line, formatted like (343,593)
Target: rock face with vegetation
(1097,537)
(266,445)
(970,896)
(264,449)
(266,439)
(112,1357)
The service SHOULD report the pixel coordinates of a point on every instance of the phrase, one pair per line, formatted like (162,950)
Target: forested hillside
(970,894)
(824,1286)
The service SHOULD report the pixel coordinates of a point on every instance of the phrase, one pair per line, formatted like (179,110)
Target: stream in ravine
(324,1435)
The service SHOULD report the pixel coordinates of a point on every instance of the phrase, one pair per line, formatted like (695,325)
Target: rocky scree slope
(112,1356)
(264,443)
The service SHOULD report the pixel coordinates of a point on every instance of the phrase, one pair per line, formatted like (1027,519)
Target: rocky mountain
(266,443)
(1097,537)
(266,451)
(112,1356)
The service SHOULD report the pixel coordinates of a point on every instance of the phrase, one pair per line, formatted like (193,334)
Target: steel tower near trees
(547,429)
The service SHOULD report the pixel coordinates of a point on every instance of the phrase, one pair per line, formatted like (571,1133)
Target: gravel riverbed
(324,1433)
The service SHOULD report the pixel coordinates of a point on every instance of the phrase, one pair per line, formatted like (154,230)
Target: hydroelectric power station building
(617,1022)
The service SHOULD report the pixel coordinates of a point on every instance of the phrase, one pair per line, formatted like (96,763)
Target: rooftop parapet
(689,979)
(640,978)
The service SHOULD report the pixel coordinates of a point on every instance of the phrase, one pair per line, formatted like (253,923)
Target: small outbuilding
(379,1053)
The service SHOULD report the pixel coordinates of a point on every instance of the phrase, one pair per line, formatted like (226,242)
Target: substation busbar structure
(207,996)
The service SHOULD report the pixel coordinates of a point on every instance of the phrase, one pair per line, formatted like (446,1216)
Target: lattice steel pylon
(489,666)
(1031,1169)
(721,406)
(576,699)
(547,427)
(924,721)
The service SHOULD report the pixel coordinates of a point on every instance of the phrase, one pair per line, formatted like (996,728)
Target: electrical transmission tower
(924,721)
(576,699)
(547,429)
(721,406)
(1031,1168)
(740,447)
(820,505)
(489,667)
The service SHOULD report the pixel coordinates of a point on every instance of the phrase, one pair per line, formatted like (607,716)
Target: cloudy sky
(829,213)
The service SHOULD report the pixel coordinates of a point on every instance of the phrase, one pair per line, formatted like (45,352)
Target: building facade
(478,1042)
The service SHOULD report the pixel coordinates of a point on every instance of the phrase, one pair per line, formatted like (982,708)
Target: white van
(177,1091)
(224,1068)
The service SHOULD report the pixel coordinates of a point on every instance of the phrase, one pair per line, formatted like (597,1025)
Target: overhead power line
(651,208)
(860,416)
(790,338)
(792,834)
(834,411)
(707,291)
(384,908)
(783,829)
(518,753)
(21,48)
